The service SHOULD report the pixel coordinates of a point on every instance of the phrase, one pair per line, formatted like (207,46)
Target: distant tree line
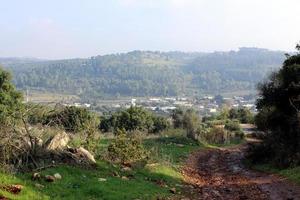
(144,73)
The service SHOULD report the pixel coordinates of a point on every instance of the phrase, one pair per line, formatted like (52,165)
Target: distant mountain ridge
(148,73)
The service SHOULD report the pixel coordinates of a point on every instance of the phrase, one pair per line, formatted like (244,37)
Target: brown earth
(219,174)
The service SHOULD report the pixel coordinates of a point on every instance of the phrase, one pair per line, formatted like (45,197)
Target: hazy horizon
(79,29)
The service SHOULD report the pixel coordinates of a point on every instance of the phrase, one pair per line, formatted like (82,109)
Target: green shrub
(73,119)
(233,125)
(216,135)
(37,113)
(160,124)
(126,149)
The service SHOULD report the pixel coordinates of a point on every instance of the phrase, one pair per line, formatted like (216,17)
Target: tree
(177,117)
(244,115)
(191,122)
(10,99)
(159,124)
(281,96)
(73,119)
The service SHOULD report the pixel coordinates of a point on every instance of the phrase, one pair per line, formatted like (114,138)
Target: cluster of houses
(206,105)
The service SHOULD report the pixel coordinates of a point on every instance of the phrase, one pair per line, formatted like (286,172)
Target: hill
(149,73)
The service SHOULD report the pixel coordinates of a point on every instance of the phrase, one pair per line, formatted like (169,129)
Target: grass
(232,143)
(168,155)
(293,174)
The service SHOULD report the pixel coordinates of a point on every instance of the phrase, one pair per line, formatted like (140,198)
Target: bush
(160,124)
(244,115)
(37,114)
(216,135)
(127,149)
(233,125)
(278,107)
(73,119)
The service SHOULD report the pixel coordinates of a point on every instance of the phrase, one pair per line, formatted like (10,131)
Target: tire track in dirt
(219,174)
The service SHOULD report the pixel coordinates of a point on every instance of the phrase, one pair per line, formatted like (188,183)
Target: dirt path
(220,174)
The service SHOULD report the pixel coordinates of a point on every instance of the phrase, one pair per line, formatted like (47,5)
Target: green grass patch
(292,174)
(150,182)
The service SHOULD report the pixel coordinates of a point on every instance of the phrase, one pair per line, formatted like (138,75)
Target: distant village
(207,105)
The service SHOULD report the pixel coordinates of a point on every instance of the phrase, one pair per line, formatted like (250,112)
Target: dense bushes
(134,118)
(188,120)
(11,115)
(10,100)
(73,119)
(126,149)
(279,108)
(244,115)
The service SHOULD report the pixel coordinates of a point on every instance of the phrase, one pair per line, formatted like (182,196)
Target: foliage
(191,122)
(126,149)
(37,113)
(214,135)
(73,119)
(160,124)
(186,119)
(145,73)
(177,117)
(279,107)
(10,100)
(244,115)
(233,125)
(134,118)
(11,116)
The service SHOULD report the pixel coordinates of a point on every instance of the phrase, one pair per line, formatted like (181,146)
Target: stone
(58,142)
(39,185)
(126,169)
(57,176)
(125,178)
(86,154)
(36,176)
(115,174)
(102,179)
(14,189)
(49,178)
(173,190)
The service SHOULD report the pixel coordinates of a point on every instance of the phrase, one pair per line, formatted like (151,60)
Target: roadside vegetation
(279,122)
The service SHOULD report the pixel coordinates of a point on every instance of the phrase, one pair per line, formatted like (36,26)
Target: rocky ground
(219,174)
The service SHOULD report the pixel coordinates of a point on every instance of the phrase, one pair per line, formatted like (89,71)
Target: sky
(56,29)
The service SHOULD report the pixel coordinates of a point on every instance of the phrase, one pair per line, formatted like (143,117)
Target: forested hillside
(143,73)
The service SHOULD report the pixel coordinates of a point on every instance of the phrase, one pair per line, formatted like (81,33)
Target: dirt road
(219,174)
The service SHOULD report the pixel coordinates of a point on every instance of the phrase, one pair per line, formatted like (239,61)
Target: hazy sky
(83,28)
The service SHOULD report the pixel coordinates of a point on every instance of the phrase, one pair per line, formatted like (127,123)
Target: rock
(39,185)
(102,179)
(173,190)
(49,178)
(36,176)
(126,169)
(3,198)
(14,189)
(125,178)
(86,154)
(58,142)
(57,176)
(180,145)
(115,174)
